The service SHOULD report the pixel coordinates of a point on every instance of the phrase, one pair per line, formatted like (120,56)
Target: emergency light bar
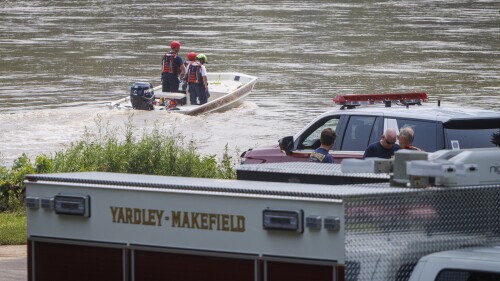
(403,98)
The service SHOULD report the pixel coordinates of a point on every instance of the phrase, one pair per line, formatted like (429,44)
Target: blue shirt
(321,155)
(377,150)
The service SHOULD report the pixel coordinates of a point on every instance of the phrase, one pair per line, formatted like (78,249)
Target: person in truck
(321,154)
(172,67)
(406,137)
(384,148)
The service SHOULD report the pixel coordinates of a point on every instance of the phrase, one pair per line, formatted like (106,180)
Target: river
(62,61)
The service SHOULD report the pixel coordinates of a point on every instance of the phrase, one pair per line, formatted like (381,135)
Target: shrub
(156,152)
(12,187)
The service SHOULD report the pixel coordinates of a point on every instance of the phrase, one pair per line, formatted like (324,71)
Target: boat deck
(226,90)
(226,87)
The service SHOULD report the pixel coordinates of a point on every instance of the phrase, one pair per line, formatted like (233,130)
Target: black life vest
(194,73)
(168,63)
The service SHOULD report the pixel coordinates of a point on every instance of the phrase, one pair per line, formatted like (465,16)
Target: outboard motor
(142,96)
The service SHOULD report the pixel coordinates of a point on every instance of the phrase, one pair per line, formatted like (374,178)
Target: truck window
(425,133)
(470,138)
(471,133)
(358,132)
(313,134)
(466,275)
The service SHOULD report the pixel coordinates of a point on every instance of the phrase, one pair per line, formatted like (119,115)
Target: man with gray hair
(384,148)
(406,137)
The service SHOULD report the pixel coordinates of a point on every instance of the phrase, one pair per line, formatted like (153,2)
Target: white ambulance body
(106,226)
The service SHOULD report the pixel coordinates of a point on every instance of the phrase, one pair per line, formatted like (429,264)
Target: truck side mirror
(286,144)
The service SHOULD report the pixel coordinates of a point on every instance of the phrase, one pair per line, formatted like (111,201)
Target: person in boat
(172,67)
(321,154)
(385,147)
(406,137)
(197,80)
(191,57)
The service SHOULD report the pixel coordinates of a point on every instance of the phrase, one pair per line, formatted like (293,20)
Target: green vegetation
(12,228)
(156,153)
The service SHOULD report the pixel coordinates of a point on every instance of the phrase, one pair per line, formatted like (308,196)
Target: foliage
(13,225)
(156,152)
(12,186)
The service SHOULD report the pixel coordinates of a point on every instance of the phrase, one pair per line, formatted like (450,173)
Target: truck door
(359,132)
(308,141)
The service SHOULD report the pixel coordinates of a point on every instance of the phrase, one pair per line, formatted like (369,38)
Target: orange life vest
(194,73)
(169,63)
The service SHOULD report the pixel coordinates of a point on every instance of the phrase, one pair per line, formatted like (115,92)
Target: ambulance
(110,226)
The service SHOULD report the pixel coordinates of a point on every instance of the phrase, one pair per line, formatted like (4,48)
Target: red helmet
(175,45)
(192,56)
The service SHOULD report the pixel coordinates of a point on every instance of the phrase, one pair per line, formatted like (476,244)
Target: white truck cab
(362,119)
(469,264)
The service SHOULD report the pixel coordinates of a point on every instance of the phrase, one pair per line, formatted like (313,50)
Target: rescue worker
(197,80)
(384,148)
(191,57)
(406,137)
(321,154)
(172,67)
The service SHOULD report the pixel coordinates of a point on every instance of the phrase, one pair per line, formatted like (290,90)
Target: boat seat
(170,95)
(225,88)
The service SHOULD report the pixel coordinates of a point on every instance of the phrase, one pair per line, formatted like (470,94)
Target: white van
(472,264)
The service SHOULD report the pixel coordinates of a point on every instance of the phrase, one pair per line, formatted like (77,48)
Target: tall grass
(12,228)
(154,152)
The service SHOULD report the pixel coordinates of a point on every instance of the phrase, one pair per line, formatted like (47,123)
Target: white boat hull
(227,90)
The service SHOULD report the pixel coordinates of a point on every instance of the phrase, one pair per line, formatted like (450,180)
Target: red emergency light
(403,98)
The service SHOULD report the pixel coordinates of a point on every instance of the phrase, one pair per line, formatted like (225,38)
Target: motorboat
(227,90)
